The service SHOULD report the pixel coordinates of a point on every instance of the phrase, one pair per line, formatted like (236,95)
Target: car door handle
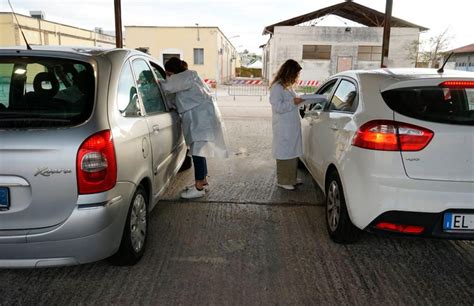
(156,128)
(334,127)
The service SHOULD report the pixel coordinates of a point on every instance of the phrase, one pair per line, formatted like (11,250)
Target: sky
(243,21)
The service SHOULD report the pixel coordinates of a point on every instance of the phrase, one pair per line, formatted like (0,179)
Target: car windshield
(434,104)
(41,92)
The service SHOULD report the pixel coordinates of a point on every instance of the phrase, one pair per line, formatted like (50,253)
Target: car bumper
(377,186)
(92,232)
(432,223)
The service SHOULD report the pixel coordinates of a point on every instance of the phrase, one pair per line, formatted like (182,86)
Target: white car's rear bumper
(377,184)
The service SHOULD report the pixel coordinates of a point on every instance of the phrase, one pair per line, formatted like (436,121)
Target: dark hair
(287,74)
(175,65)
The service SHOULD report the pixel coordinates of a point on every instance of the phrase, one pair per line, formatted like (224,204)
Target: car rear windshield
(435,104)
(41,92)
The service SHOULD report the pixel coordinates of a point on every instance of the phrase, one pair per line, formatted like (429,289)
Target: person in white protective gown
(286,146)
(201,121)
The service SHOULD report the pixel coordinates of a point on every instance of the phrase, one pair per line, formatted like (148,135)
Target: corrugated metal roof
(349,10)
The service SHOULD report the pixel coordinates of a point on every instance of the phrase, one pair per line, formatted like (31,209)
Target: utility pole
(386,34)
(118,24)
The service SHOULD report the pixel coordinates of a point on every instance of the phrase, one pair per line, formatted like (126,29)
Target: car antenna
(19,26)
(441,70)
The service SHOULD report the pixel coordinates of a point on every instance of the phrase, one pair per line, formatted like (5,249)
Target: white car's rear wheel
(339,225)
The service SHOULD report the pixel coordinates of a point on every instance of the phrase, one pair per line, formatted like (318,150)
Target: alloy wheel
(333,206)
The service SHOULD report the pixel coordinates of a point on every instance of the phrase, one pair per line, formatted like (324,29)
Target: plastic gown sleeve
(281,102)
(176,83)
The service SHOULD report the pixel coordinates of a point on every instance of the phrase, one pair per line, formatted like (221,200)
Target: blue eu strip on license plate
(458,222)
(4,198)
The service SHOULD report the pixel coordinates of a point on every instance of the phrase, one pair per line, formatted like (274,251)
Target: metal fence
(243,90)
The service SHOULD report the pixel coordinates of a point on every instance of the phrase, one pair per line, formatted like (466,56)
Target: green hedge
(248,72)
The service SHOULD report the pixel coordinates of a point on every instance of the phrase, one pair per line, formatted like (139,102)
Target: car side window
(127,96)
(148,89)
(159,72)
(345,97)
(324,90)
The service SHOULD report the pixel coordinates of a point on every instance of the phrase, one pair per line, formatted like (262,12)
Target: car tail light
(401,228)
(457,84)
(96,164)
(388,135)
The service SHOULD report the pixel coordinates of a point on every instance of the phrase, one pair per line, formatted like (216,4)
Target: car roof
(66,51)
(403,74)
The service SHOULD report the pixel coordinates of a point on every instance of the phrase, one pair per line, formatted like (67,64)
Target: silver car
(88,144)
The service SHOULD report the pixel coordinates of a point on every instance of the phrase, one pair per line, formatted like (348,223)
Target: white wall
(287,42)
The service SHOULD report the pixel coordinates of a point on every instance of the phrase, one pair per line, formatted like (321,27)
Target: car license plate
(4,198)
(458,222)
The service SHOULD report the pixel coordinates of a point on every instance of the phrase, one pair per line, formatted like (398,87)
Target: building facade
(325,50)
(205,49)
(463,58)
(39,31)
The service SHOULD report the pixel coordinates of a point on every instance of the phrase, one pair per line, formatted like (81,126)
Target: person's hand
(298,100)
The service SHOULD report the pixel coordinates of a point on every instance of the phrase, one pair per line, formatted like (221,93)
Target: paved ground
(249,242)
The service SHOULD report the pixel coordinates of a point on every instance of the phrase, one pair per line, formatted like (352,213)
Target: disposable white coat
(201,120)
(286,123)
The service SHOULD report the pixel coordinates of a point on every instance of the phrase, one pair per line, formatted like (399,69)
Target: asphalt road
(249,242)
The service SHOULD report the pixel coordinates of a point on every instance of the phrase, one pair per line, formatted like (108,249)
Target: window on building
(167,56)
(198,56)
(369,53)
(317,52)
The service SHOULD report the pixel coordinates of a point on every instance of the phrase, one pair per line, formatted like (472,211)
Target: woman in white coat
(201,121)
(287,145)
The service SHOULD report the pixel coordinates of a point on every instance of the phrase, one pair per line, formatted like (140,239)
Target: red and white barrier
(308,83)
(247,82)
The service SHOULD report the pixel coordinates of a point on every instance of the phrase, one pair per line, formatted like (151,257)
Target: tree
(432,50)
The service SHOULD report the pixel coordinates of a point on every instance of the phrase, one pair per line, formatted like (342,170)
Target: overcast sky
(243,21)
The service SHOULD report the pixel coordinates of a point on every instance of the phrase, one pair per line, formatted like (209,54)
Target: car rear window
(40,92)
(434,104)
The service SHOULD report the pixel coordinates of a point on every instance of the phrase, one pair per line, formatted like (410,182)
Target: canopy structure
(349,10)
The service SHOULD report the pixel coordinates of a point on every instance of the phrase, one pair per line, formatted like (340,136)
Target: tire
(338,222)
(187,164)
(135,232)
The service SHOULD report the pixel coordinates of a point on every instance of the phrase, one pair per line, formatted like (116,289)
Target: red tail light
(96,164)
(388,135)
(401,228)
(457,84)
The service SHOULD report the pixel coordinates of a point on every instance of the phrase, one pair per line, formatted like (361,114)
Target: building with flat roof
(205,49)
(39,31)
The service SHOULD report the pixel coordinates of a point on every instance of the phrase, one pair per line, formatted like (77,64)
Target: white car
(393,150)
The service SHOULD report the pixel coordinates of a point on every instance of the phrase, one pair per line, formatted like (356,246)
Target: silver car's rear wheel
(339,224)
(138,223)
(135,231)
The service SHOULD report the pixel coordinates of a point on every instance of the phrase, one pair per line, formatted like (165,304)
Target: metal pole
(118,24)
(386,34)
